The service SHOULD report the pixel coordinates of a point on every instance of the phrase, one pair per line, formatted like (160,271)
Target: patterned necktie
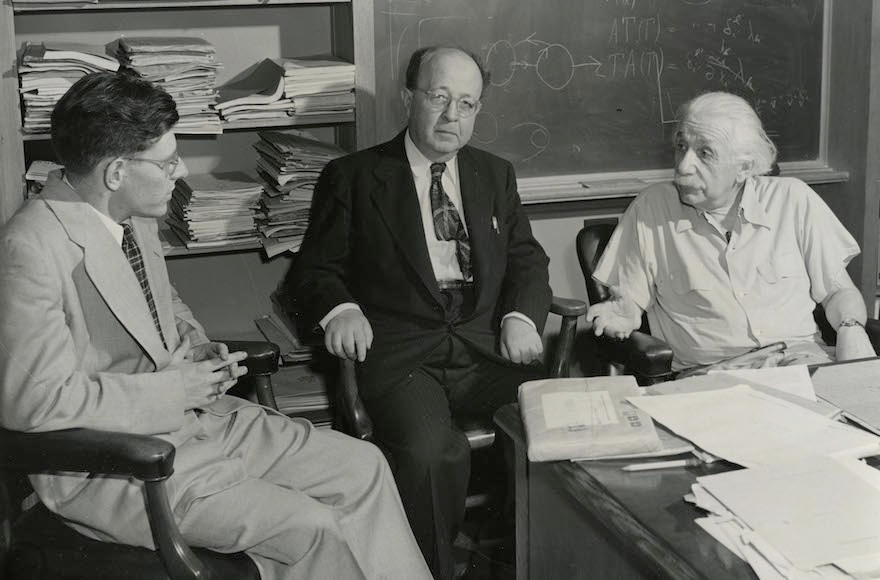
(447,221)
(133,253)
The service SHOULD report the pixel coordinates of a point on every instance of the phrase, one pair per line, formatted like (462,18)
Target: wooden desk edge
(626,530)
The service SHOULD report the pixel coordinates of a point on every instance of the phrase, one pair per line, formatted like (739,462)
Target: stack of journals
(215,210)
(47,69)
(319,85)
(257,94)
(186,68)
(289,165)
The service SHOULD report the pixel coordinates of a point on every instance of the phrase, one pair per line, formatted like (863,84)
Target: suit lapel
(397,202)
(478,202)
(107,267)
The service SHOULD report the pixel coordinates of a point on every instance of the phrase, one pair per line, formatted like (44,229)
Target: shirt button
(758,333)
(201,435)
(740,293)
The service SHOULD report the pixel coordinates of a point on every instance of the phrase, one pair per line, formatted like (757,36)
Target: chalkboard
(585,86)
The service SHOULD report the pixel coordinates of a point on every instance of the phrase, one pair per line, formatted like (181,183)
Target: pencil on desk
(691,462)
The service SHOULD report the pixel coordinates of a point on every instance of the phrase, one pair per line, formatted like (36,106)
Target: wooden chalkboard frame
(573,187)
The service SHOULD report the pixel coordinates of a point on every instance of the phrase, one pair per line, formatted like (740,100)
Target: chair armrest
(568,306)
(87,450)
(645,356)
(262,357)
(355,414)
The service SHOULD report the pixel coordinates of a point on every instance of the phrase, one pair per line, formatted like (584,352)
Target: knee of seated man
(438,449)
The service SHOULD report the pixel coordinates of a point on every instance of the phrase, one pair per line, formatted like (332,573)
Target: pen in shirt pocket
(495,225)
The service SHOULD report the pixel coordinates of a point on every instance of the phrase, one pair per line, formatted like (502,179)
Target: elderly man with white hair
(725,259)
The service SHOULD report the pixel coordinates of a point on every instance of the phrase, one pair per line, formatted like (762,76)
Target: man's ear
(114,174)
(406,96)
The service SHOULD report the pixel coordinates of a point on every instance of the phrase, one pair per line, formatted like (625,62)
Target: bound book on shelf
(585,418)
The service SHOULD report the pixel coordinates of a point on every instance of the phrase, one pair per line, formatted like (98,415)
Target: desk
(592,520)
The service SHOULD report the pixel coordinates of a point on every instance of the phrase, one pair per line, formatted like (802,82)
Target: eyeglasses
(169,166)
(438,100)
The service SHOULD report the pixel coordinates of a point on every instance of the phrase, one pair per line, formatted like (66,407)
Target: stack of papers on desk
(805,517)
(806,505)
(585,418)
(854,387)
(186,68)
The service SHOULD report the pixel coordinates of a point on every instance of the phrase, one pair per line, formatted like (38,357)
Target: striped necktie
(447,221)
(133,253)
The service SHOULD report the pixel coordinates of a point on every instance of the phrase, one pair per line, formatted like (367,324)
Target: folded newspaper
(583,418)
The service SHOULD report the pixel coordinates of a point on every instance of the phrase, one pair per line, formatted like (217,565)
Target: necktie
(133,253)
(447,221)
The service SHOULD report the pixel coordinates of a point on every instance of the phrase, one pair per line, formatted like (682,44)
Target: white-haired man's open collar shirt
(711,299)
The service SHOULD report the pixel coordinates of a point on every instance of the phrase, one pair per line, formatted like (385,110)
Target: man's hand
(520,342)
(349,335)
(617,317)
(208,370)
(853,343)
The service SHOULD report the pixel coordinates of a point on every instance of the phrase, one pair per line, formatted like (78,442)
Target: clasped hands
(349,335)
(209,370)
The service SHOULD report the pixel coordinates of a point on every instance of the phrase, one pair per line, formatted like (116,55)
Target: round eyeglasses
(439,99)
(169,166)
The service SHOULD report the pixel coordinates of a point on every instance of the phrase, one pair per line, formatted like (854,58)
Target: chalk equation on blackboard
(616,72)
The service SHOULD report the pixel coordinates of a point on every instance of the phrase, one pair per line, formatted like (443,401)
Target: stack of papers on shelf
(319,84)
(289,165)
(37,175)
(48,69)
(215,210)
(257,94)
(804,517)
(585,418)
(301,390)
(186,68)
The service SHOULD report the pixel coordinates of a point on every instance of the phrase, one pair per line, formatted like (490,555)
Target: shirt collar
(751,208)
(421,165)
(114,228)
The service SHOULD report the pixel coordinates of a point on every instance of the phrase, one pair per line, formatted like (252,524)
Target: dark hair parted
(107,114)
(426,53)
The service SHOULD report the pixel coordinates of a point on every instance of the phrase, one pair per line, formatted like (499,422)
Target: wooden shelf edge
(20,7)
(294,121)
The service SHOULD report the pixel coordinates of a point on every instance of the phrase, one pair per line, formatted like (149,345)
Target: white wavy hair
(748,138)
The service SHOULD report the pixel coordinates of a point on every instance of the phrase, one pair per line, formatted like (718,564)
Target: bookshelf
(228,288)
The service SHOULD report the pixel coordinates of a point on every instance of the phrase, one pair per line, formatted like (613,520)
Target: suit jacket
(366,244)
(80,349)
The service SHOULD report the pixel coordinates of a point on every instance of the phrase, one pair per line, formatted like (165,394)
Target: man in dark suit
(420,263)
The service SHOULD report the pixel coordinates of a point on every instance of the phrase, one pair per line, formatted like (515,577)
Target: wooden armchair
(355,421)
(37,545)
(646,357)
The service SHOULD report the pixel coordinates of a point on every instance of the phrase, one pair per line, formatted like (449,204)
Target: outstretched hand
(616,317)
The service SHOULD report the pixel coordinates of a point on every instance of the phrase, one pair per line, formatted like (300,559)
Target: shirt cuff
(336,310)
(521,316)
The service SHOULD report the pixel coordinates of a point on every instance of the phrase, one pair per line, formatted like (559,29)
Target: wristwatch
(850,322)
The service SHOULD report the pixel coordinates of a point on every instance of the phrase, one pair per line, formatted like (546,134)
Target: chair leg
(264,391)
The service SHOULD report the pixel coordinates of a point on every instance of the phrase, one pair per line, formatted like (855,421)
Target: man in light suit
(93,335)
(419,262)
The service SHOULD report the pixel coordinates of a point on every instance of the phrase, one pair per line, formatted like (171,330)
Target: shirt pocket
(782,268)
(688,293)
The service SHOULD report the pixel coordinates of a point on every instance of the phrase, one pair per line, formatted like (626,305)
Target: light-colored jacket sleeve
(50,376)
